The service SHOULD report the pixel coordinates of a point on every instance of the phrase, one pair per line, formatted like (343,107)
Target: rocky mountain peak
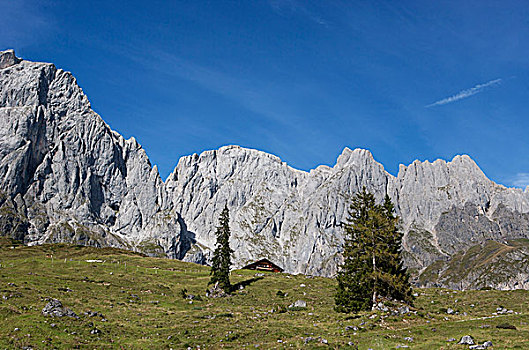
(356,157)
(65,176)
(8,58)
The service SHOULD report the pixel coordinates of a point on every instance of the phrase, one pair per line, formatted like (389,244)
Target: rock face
(8,58)
(295,218)
(291,217)
(65,176)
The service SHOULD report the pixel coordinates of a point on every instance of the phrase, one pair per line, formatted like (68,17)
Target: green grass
(141,300)
(488,260)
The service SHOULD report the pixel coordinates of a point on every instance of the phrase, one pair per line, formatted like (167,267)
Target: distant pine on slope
(221,261)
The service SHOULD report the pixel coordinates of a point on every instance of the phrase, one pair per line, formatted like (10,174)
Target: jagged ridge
(66,176)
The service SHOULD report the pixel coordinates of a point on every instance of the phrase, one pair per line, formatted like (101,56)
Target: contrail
(465,93)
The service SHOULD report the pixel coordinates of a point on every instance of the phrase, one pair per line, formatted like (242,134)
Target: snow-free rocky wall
(65,176)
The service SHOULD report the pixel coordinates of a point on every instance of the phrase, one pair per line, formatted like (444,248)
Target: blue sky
(300,79)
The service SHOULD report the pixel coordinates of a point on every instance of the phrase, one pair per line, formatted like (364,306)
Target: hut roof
(265,265)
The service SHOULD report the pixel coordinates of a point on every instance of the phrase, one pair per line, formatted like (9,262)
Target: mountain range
(65,176)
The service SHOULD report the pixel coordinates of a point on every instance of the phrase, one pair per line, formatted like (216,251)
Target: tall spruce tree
(396,282)
(221,262)
(372,266)
(354,282)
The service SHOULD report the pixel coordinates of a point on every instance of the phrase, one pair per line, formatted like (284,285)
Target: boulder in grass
(54,308)
(467,340)
(483,346)
(404,310)
(216,292)
(298,304)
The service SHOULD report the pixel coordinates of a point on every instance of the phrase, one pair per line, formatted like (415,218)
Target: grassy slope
(160,318)
(487,261)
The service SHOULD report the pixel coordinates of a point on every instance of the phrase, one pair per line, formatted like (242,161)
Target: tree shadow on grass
(245,283)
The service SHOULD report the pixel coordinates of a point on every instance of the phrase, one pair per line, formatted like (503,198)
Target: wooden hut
(263,265)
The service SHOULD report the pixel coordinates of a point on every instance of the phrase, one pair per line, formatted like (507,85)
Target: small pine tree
(221,262)
(372,266)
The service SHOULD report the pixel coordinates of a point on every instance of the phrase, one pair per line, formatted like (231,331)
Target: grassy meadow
(128,301)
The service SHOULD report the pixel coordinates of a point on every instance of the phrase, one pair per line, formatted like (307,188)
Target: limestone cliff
(65,176)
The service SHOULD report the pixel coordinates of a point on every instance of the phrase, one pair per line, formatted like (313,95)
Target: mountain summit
(65,176)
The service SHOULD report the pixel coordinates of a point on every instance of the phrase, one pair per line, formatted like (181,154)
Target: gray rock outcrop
(467,340)
(54,308)
(298,303)
(8,58)
(65,176)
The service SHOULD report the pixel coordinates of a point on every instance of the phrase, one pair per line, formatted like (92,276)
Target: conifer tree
(354,282)
(371,267)
(397,285)
(221,262)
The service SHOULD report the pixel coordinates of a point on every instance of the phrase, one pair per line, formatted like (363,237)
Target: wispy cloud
(24,22)
(267,99)
(520,180)
(288,7)
(465,93)
(264,98)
